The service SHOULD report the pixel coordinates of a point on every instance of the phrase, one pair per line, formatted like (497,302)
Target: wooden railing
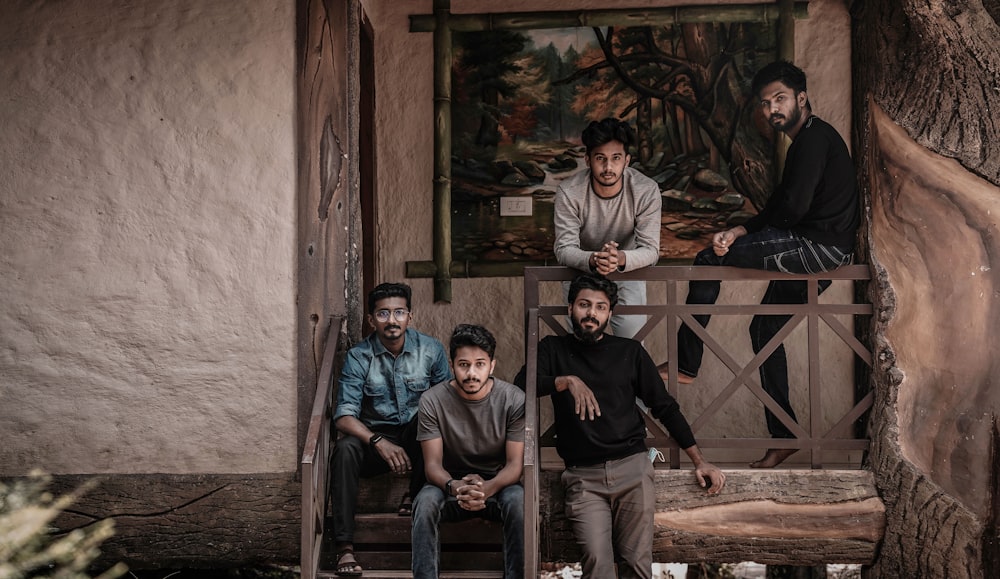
(672,313)
(316,455)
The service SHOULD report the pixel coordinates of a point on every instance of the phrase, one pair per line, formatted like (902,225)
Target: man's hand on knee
(394,456)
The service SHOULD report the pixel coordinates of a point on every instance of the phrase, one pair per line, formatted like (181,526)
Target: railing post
(815,376)
(531,455)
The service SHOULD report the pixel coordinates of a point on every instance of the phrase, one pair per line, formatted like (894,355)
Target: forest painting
(521,99)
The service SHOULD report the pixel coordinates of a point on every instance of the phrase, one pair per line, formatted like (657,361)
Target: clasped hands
(608,259)
(470,493)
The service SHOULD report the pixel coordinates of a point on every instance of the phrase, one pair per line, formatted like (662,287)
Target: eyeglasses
(383,315)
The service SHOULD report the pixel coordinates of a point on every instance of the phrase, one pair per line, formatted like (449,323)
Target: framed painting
(520,99)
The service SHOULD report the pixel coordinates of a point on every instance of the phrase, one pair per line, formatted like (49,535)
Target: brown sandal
(347,565)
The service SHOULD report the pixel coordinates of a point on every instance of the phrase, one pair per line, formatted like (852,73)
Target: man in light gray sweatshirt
(607,218)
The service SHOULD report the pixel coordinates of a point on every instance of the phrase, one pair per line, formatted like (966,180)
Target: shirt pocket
(379,396)
(418,385)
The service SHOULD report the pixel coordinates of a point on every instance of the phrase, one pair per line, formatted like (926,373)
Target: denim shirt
(378,389)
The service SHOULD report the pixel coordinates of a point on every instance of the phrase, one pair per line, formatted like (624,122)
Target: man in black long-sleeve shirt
(808,225)
(594,379)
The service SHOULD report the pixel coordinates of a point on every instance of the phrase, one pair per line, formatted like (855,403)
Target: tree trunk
(929,162)
(644,129)
(751,154)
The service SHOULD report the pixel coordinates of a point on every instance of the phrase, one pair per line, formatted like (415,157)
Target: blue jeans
(432,507)
(769,249)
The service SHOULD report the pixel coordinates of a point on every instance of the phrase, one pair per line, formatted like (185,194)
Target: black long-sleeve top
(617,370)
(818,195)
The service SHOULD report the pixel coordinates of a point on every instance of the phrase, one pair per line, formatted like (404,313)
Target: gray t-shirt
(584,221)
(474,433)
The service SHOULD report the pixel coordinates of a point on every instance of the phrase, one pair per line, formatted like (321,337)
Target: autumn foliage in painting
(521,99)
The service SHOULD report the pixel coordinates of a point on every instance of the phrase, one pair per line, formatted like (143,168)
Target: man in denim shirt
(380,387)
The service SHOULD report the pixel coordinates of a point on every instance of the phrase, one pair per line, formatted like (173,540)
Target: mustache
(393,327)
(590,319)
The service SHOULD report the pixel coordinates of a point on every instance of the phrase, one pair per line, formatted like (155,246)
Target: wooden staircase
(809,515)
(382,539)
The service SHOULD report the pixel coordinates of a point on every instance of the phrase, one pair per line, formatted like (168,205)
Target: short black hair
(388,290)
(781,70)
(594,282)
(606,130)
(472,335)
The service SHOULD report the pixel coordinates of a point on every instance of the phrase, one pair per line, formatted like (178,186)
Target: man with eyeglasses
(380,387)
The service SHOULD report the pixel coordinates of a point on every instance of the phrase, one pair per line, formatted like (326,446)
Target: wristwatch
(447,487)
(375,438)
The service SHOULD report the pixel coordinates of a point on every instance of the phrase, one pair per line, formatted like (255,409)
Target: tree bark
(929,163)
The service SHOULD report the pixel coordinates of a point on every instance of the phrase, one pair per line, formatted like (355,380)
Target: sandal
(405,506)
(347,565)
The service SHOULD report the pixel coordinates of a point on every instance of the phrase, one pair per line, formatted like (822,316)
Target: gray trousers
(611,506)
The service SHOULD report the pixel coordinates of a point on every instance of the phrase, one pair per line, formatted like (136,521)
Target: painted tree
(698,73)
(927,113)
(490,56)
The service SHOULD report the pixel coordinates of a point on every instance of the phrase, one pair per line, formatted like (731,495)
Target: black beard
(585,336)
(787,122)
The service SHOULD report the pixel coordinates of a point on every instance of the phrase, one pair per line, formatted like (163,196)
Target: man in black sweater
(808,225)
(594,379)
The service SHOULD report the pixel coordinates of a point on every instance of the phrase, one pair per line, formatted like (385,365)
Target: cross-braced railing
(669,316)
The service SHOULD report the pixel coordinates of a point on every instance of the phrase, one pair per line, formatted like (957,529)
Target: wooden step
(382,545)
(389,574)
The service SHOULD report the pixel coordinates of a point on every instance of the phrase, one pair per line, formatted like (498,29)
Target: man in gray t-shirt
(471,430)
(607,218)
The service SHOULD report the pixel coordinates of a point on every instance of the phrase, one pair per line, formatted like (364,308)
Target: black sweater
(818,195)
(618,370)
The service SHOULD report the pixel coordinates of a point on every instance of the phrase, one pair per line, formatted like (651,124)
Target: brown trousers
(611,506)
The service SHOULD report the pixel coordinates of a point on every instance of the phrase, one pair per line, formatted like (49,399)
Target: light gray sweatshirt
(584,221)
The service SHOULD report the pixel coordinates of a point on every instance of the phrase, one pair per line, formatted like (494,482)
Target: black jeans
(772,250)
(354,459)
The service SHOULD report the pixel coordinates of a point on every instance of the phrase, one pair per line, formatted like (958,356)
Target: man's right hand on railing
(586,402)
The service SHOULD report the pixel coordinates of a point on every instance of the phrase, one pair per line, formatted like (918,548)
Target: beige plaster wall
(146,234)
(404,90)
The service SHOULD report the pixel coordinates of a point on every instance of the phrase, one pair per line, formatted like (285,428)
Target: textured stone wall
(147,222)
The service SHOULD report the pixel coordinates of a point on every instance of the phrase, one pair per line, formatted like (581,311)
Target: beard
(585,335)
(780,123)
(608,179)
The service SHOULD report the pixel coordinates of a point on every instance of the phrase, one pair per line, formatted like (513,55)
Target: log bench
(772,517)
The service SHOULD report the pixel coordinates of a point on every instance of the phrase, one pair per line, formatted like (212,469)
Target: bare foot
(681,377)
(773,457)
